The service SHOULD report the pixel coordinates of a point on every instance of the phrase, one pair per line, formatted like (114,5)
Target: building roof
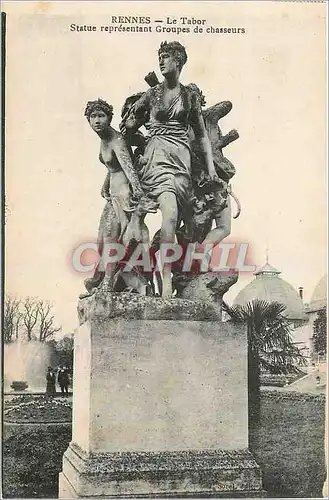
(270,287)
(267,269)
(319,296)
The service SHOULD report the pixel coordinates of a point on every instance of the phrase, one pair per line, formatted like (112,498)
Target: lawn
(287,444)
(32,461)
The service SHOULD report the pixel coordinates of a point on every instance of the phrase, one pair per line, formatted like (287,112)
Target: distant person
(51,382)
(63,380)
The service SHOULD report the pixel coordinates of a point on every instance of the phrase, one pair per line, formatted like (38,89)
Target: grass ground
(32,461)
(288,444)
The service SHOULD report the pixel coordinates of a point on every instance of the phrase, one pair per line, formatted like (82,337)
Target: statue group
(179,168)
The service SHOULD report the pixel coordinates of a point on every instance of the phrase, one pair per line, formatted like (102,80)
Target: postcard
(165,249)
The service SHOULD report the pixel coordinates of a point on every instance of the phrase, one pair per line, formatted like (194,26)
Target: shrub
(38,410)
(32,461)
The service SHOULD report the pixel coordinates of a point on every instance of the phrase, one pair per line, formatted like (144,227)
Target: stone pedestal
(160,402)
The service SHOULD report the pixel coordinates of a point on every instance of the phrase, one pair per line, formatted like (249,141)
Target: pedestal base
(190,473)
(160,402)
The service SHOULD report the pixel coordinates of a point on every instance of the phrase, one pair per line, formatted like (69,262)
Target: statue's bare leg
(222,229)
(169,210)
(109,230)
(138,278)
(217,235)
(111,233)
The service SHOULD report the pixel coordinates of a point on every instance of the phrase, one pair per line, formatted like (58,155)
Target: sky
(274,74)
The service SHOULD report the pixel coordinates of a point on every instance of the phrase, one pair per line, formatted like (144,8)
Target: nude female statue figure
(121,188)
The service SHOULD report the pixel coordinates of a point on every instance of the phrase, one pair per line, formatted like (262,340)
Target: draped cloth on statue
(121,205)
(167,153)
(115,211)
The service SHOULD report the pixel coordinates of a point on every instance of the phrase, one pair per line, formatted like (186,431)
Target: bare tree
(33,315)
(46,326)
(30,316)
(12,319)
